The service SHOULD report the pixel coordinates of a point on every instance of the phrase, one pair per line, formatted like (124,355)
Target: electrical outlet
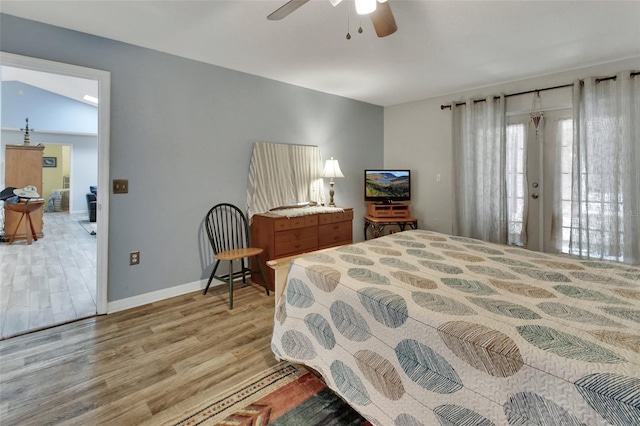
(134,258)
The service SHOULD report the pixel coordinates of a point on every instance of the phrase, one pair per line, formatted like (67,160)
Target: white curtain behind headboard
(282,175)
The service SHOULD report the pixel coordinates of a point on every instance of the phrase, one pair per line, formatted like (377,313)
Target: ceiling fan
(380,12)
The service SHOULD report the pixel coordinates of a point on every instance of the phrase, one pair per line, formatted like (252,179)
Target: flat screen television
(386,186)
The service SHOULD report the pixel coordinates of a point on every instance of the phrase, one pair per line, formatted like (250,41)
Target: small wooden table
(378,224)
(25,207)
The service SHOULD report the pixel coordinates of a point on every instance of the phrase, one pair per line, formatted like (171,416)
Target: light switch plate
(121,186)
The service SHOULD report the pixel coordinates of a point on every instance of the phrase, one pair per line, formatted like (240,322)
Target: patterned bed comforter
(421,328)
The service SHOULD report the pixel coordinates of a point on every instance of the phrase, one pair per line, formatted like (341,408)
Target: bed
(422,328)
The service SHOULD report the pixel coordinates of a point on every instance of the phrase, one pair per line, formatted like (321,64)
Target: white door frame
(104,107)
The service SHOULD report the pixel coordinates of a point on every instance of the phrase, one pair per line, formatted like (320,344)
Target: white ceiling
(440,47)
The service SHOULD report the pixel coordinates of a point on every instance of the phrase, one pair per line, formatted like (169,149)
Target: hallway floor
(52,281)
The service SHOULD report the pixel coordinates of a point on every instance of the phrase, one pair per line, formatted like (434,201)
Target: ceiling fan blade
(286,9)
(383,20)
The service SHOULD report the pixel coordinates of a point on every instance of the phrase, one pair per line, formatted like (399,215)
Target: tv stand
(388,209)
(377,224)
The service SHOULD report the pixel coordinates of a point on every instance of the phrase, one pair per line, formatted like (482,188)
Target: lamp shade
(332,169)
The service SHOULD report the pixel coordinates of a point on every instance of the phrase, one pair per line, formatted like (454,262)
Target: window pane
(565,140)
(515,180)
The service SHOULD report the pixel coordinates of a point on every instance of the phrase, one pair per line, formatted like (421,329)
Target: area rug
(90,227)
(286,394)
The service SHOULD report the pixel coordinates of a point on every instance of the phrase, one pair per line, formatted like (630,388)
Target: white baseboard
(155,296)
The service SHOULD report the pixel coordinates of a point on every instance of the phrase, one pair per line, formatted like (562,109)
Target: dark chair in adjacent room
(92,200)
(228,232)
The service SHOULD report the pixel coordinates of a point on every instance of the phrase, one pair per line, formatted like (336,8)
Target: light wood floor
(130,367)
(51,281)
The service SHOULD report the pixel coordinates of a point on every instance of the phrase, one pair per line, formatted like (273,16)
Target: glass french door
(538,172)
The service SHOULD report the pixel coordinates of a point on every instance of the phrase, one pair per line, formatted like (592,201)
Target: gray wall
(182,133)
(46,111)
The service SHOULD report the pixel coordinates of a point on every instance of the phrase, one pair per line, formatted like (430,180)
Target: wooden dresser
(281,236)
(23,166)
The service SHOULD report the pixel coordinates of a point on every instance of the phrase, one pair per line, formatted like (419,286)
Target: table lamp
(332,170)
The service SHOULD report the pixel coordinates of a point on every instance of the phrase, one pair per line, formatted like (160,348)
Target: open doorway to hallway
(62,276)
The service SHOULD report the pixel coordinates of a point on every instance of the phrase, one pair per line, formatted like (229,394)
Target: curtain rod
(598,80)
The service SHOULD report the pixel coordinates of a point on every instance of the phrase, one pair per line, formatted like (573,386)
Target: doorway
(538,169)
(56,178)
(102,79)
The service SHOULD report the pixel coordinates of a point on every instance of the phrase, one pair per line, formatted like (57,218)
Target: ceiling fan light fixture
(365,7)
(334,3)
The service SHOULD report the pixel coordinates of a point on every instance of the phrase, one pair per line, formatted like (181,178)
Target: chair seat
(239,253)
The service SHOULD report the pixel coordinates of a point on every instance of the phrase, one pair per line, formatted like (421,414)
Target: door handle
(534,195)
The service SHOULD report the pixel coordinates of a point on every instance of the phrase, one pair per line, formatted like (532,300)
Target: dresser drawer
(334,228)
(342,216)
(324,218)
(335,238)
(285,223)
(295,247)
(282,237)
(335,217)
(335,233)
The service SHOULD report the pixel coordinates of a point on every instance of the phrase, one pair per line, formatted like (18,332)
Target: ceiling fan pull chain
(348,21)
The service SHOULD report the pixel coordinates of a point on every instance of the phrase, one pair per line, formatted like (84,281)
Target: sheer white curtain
(283,174)
(480,199)
(605,210)
(306,166)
